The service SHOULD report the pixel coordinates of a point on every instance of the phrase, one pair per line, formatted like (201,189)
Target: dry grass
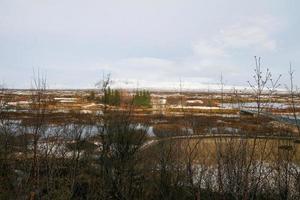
(206,150)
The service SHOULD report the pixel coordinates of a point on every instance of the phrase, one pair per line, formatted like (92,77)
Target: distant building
(159,104)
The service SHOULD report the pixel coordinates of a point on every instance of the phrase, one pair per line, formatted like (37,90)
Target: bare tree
(39,100)
(263,84)
(121,140)
(292,95)
(7,132)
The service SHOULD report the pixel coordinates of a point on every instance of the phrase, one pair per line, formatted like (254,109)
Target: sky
(153,43)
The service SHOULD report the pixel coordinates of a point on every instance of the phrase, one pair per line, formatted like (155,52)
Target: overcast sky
(74,42)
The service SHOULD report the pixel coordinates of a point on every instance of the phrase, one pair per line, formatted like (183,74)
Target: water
(254,105)
(69,130)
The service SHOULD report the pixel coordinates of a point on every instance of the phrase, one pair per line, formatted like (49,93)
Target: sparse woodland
(116,158)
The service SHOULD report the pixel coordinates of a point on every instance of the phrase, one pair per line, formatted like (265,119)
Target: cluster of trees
(111,97)
(142,98)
